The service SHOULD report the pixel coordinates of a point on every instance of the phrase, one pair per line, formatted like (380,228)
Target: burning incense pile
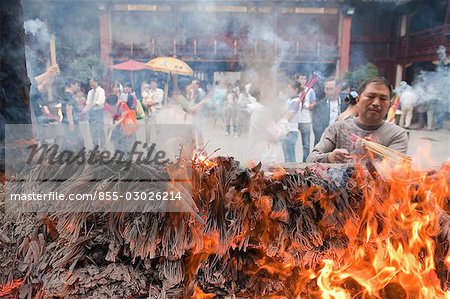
(318,233)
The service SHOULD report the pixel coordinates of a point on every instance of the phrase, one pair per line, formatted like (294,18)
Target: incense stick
(308,86)
(385,152)
(52,50)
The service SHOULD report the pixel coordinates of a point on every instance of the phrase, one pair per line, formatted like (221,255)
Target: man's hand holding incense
(339,155)
(53,71)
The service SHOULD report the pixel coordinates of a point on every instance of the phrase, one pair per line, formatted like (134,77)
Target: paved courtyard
(429,149)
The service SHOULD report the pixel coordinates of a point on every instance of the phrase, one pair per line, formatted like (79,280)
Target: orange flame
(398,245)
(199,294)
(389,247)
(325,279)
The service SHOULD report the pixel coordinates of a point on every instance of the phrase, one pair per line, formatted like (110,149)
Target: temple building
(332,36)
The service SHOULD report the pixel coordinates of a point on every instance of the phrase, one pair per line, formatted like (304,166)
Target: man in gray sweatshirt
(337,144)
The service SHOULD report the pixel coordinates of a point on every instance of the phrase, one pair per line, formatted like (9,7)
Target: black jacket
(321,112)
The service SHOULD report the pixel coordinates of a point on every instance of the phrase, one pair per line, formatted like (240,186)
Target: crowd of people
(331,111)
(69,105)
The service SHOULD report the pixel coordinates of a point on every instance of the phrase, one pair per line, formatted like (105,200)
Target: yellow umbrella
(170,65)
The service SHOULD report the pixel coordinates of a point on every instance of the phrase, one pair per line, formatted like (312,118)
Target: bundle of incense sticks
(52,50)
(385,152)
(309,85)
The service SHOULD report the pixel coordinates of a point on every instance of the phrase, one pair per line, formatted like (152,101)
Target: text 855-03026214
(139,195)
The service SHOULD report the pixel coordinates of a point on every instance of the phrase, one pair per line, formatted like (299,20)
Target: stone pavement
(429,149)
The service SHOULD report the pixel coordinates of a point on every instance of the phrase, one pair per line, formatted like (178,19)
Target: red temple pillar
(344,51)
(105,39)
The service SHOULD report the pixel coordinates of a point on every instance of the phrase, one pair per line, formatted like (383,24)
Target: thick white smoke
(38,29)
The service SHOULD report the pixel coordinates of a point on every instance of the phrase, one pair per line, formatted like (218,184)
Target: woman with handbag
(123,128)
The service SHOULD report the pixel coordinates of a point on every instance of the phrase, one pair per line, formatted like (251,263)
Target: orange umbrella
(130,65)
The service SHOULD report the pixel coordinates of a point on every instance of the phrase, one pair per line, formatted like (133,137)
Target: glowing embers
(205,161)
(7,288)
(202,159)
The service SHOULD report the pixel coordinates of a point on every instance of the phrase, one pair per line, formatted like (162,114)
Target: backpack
(139,110)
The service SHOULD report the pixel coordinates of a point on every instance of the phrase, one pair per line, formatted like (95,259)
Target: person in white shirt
(334,111)
(304,116)
(243,116)
(152,96)
(311,94)
(264,134)
(408,100)
(231,106)
(95,109)
(196,94)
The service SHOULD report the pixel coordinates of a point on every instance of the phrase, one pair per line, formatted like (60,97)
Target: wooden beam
(344,50)
(105,37)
